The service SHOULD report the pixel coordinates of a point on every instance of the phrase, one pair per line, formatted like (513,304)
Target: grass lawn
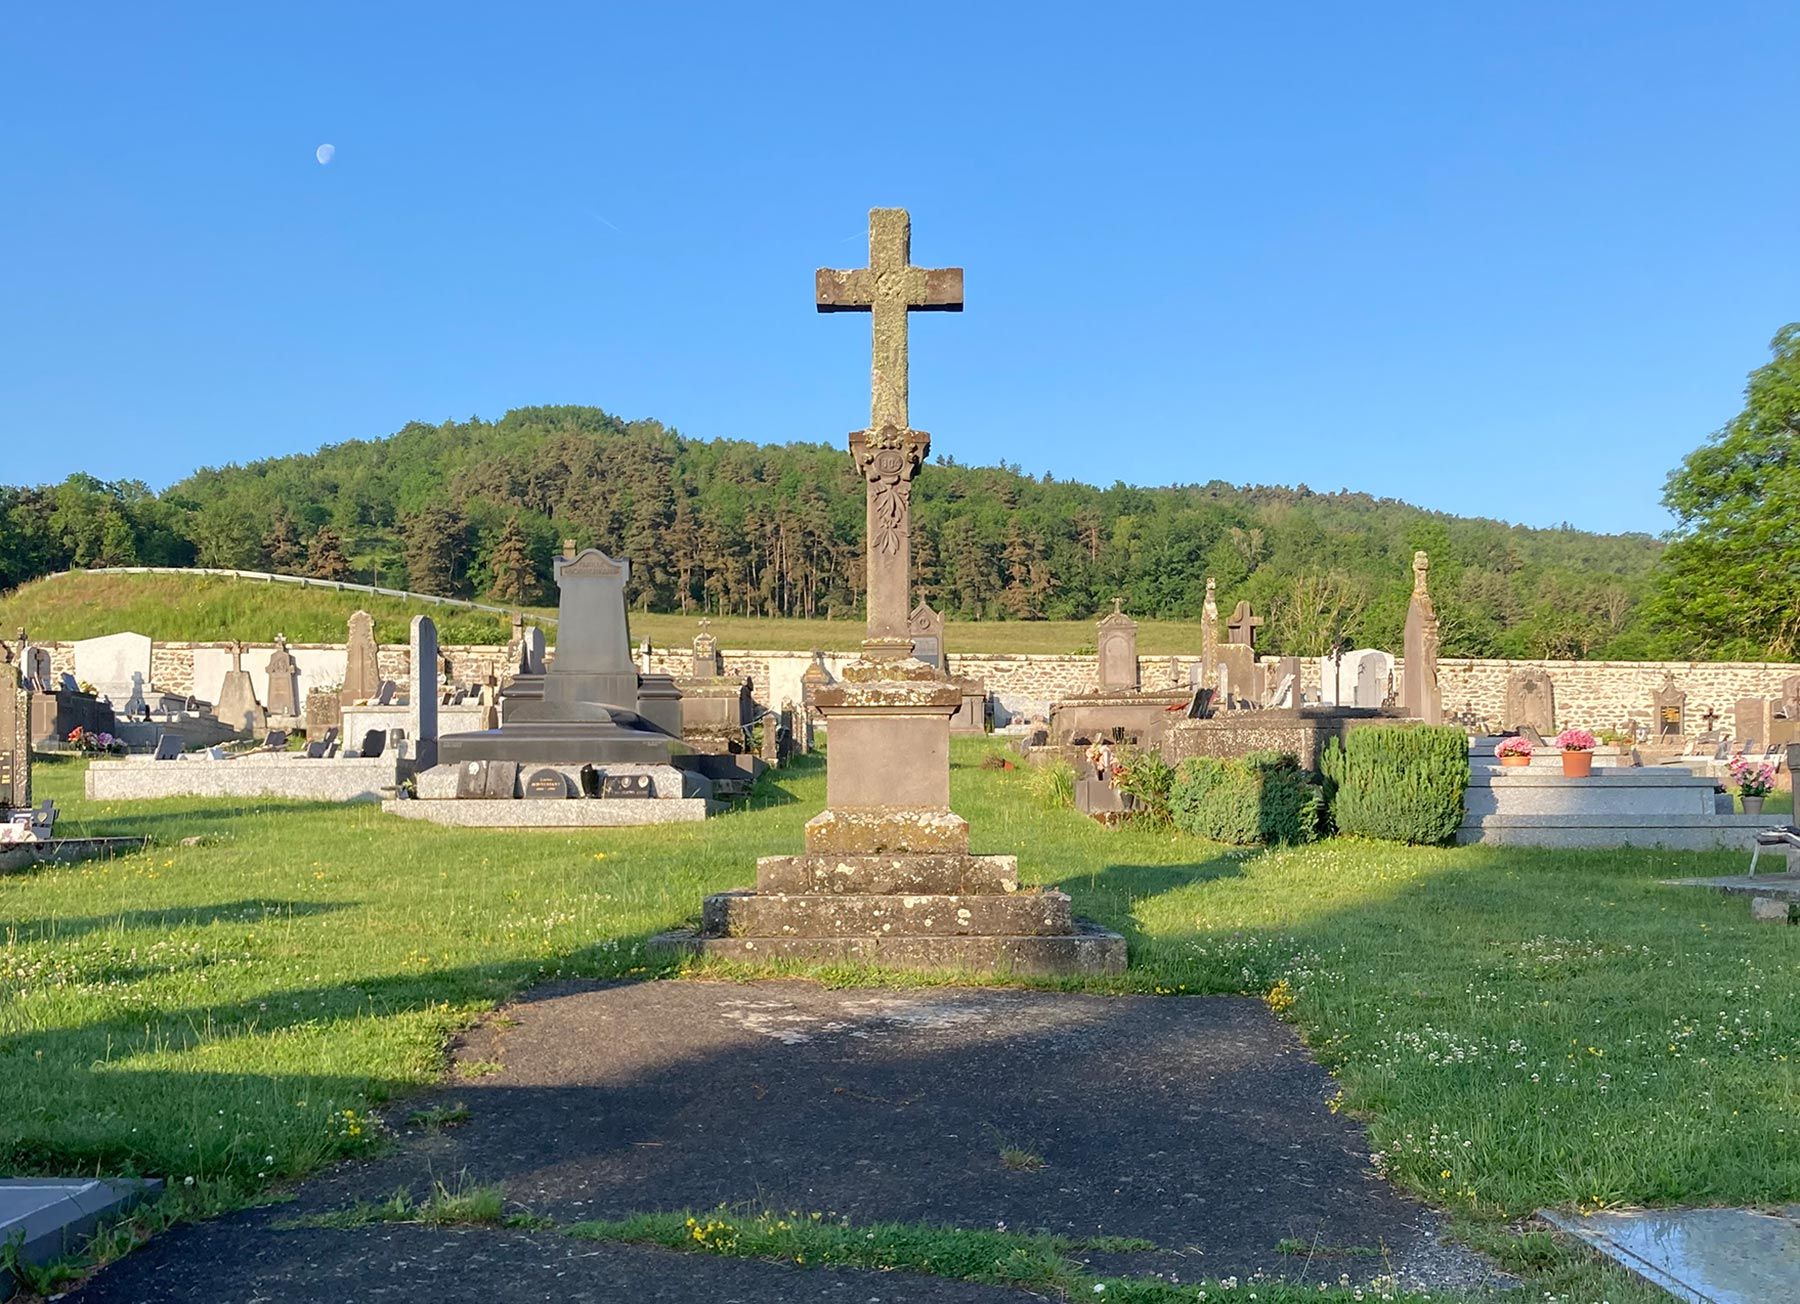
(202,608)
(1518,1028)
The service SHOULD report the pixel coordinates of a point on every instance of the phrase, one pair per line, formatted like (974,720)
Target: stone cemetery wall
(1591,694)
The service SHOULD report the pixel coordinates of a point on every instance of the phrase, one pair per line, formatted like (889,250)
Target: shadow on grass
(772,787)
(67,928)
(1110,895)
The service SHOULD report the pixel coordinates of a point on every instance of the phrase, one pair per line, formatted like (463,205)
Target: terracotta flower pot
(1510,760)
(1577,765)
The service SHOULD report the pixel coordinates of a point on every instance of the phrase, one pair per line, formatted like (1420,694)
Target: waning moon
(325,153)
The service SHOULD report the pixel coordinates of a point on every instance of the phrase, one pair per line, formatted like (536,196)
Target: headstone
(531,661)
(1244,625)
(385,695)
(1790,697)
(15,734)
(284,681)
(1209,631)
(707,664)
(422,702)
(487,780)
(67,684)
(816,676)
(168,747)
(1118,651)
(117,665)
(1419,683)
(1530,702)
(550,785)
(926,628)
(803,726)
(238,709)
(1752,717)
(37,669)
(1668,710)
(1237,671)
(362,666)
(1287,692)
(277,741)
(374,743)
(627,785)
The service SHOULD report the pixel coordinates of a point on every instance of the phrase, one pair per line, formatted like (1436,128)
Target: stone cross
(1243,626)
(890,451)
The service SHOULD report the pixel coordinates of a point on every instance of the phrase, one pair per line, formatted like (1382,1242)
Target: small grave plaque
(627,785)
(168,747)
(551,784)
(374,742)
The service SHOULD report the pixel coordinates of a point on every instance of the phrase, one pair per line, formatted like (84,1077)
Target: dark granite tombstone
(552,785)
(374,742)
(385,695)
(589,706)
(276,741)
(627,785)
(487,780)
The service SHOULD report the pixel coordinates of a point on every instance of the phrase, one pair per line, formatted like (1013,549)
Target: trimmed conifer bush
(1398,783)
(1262,797)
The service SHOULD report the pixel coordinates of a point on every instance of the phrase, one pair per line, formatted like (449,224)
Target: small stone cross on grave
(889,452)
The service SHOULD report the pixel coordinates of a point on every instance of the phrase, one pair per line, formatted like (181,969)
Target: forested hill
(478,508)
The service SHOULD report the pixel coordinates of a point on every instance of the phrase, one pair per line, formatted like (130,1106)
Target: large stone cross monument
(887,876)
(890,452)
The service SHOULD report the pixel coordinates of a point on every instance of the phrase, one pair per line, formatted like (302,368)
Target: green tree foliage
(743,529)
(512,569)
(1398,783)
(325,558)
(1729,584)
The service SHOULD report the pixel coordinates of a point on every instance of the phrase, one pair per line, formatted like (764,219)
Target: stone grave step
(1089,950)
(756,915)
(945,874)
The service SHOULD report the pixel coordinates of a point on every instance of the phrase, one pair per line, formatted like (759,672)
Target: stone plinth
(524,813)
(1305,732)
(1658,806)
(284,774)
(887,877)
(1141,719)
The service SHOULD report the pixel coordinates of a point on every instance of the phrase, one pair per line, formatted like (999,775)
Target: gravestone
(1752,717)
(532,652)
(37,669)
(590,705)
(284,681)
(238,709)
(1790,697)
(1117,651)
(549,785)
(362,665)
(168,747)
(1530,702)
(422,702)
(1209,633)
(1244,625)
(15,734)
(1668,710)
(487,780)
(887,827)
(117,665)
(927,629)
(817,676)
(1419,693)
(627,785)
(1236,675)
(707,662)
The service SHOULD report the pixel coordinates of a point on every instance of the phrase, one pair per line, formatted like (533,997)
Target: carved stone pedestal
(887,877)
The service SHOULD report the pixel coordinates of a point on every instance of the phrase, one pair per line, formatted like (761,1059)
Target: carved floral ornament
(889,459)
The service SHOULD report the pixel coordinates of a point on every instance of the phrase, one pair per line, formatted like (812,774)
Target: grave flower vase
(1510,760)
(1577,765)
(1753,805)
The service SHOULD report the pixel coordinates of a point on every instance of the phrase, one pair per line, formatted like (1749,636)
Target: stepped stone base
(1087,951)
(848,874)
(876,830)
(1018,914)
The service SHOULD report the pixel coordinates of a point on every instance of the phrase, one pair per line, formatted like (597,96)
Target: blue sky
(1502,260)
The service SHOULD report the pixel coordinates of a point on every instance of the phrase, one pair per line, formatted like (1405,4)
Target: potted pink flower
(1754,780)
(1514,751)
(1577,752)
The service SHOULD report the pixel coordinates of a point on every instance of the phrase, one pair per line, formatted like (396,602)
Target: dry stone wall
(1591,694)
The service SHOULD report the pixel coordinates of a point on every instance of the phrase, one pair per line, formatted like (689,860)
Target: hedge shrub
(1398,783)
(1262,797)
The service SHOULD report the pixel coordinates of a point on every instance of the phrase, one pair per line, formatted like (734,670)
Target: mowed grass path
(1519,1028)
